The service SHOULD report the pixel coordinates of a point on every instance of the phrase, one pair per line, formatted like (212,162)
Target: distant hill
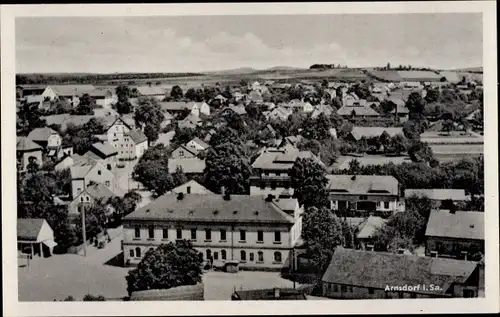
(235,71)
(470,70)
(281,68)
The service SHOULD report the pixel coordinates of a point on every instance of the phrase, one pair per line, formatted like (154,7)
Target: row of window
(208,234)
(349,289)
(223,255)
(274,185)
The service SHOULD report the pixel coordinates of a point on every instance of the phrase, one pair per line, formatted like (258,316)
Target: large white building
(258,233)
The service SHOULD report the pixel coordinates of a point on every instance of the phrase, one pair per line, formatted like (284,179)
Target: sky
(205,43)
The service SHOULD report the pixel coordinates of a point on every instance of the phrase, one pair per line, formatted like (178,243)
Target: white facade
(49,93)
(97,174)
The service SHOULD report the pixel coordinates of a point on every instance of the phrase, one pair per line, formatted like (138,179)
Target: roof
(72,90)
(255,96)
(105,149)
(237,109)
(176,105)
(99,191)
(200,142)
(270,294)
(191,165)
(34,99)
(24,144)
(81,166)
(286,204)
(461,224)
(282,112)
(64,119)
(438,194)
(282,158)
(373,132)
(194,184)
(359,110)
(212,208)
(378,269)
(363,184)
(190,121)
(29,228)
(137,136)
(368,227)
(41,134)
(151,90)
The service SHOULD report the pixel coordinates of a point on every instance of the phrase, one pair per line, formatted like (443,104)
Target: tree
(29,118)
(92,298)
(122,92)
(416,104)
(151,132)
(354,167)
(193,94)
(309,183)
(322,233)
(420,151)
(170,265)
(176,93)
(396,145)
(432,95)
(387,106)
(227,165)
(183,135)
(448,126)
(148,111)
(85,105)
(124,107)
(243,83)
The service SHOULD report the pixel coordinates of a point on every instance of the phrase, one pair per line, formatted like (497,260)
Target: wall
(379,199)
(46,233)
(77,186)
(250,245)
(181,153)
(449,243)
(193,145)
(48,92)
(54,141)
(81,198)
(141,148)
(353,292)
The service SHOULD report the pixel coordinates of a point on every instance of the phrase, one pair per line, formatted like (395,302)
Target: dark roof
(176,105)
(24,144)
(363,184)
(72,90)
(29,228)
(462,225)
(103,149)
(99,191)
(269,294)
(137,136)
(378,269)
(212,208)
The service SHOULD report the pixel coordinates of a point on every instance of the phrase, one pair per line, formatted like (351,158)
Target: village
(315,187)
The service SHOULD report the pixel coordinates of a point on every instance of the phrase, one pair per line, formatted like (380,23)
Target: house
(238,96)
(48,139)
(35,237)
(220,98)
(270,171)
(138,144)
(280,87)
(86,171)
(64,120)
(438,195)
(189,165)
(27,151)
(191,187)
(72,93)
(279,113)
(176,107)
(255,96)
(269,294)
(373,132)
(65,162)
(104,153)
(366,230)
(457,235)
(90,195)
(252,230)
(358,274)
(183,151)
(363,195)
(400,111)
(156,92)
(327,110)
(30,90)
(190,122)
(235,110)
(357,111)
(197,144)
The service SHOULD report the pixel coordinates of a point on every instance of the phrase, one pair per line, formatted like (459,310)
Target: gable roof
(29,228)
(176,105)
(99,191)
(378,269)
(81,166)
(438,194)
(359,110)
(202,143)
(103,149)
(281,158)
(194,184)
(24,144)
(191,150)
(240,110)
(374,132)
(72,90)
(212,208)
(369,226)
(41,134)
(137,136)
(190,165)
(363,184)
(462,225)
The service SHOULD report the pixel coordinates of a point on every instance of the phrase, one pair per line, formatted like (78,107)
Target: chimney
(276,293)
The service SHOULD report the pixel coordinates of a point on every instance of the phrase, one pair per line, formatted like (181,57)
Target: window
(277,236)
(137,252)
(193,234)
(286,185)
(109,167)
(243,235)
(386,204)
(335,288)
(78,190)
(261,256)
(223,235)
(260,236)
(81,198)
(262,185)
(131,253)
(181,153)
(107,183)
(188,189)
(371,291)
(243,255)
(151,232)
(277,257)
(363,197)
(87,198)
(114,134)
(223,254)
(208,234)
(209,254)
(400,295)
(179,233)
(216,255)
(273,185)
(99,172)
(251,256)
(137,233)
(343,288)
(165,234)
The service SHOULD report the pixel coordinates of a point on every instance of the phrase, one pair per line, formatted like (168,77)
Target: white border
(13,308)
